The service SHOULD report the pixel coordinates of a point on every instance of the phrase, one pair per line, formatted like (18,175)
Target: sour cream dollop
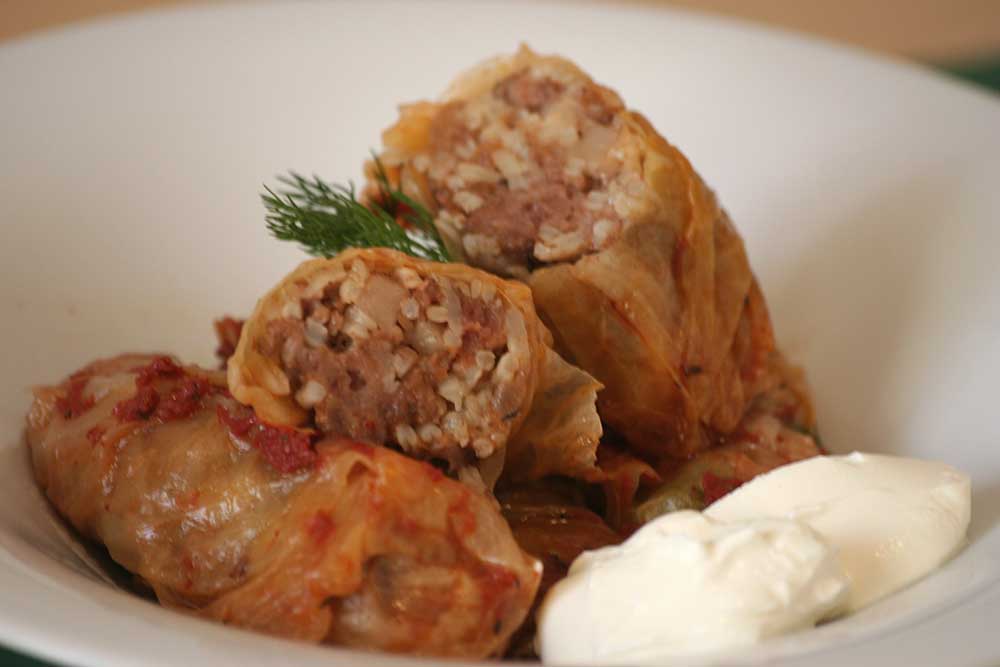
(685,583)
(892,519)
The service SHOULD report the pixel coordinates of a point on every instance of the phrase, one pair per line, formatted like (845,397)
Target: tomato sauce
(284,448)
(74,403)
(140,407)
(182,400)
(164,367)
(95,434)
(320,526)
(185,399)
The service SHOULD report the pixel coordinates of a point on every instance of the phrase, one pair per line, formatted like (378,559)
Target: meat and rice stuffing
(525,171)
(442,360)
(533,170)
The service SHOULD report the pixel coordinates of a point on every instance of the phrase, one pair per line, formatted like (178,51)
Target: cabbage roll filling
(529,172)
(435,366)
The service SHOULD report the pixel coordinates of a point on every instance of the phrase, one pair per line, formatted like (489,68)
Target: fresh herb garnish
(325,219)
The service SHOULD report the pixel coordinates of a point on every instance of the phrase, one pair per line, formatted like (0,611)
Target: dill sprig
(325,219)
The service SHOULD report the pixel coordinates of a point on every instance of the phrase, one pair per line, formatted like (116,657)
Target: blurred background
(959,36)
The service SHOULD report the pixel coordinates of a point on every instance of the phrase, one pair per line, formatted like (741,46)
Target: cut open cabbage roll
(442,360)
(253,525)
(533,170)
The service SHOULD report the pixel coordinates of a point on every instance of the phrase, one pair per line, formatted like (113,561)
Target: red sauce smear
(227,331)
(320,527)
(714,487)
(496,585)
(184,399)
(286,449)
(408,526)
(140,406)
(433,473)
(159,367)
(74,403)
(499,577)
(95,434)
(463,520)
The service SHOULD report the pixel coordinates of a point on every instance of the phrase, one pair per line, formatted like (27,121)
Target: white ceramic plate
(132,152)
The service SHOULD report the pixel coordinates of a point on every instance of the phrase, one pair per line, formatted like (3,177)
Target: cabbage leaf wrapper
(533,170)
(264,527)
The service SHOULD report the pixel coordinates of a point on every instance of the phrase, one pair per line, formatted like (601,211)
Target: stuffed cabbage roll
(778,429)
(442,360)
(533,170)
(230,518)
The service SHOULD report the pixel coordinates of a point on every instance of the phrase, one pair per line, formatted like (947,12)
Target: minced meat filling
(527,173)
(527,91)
(422,362)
